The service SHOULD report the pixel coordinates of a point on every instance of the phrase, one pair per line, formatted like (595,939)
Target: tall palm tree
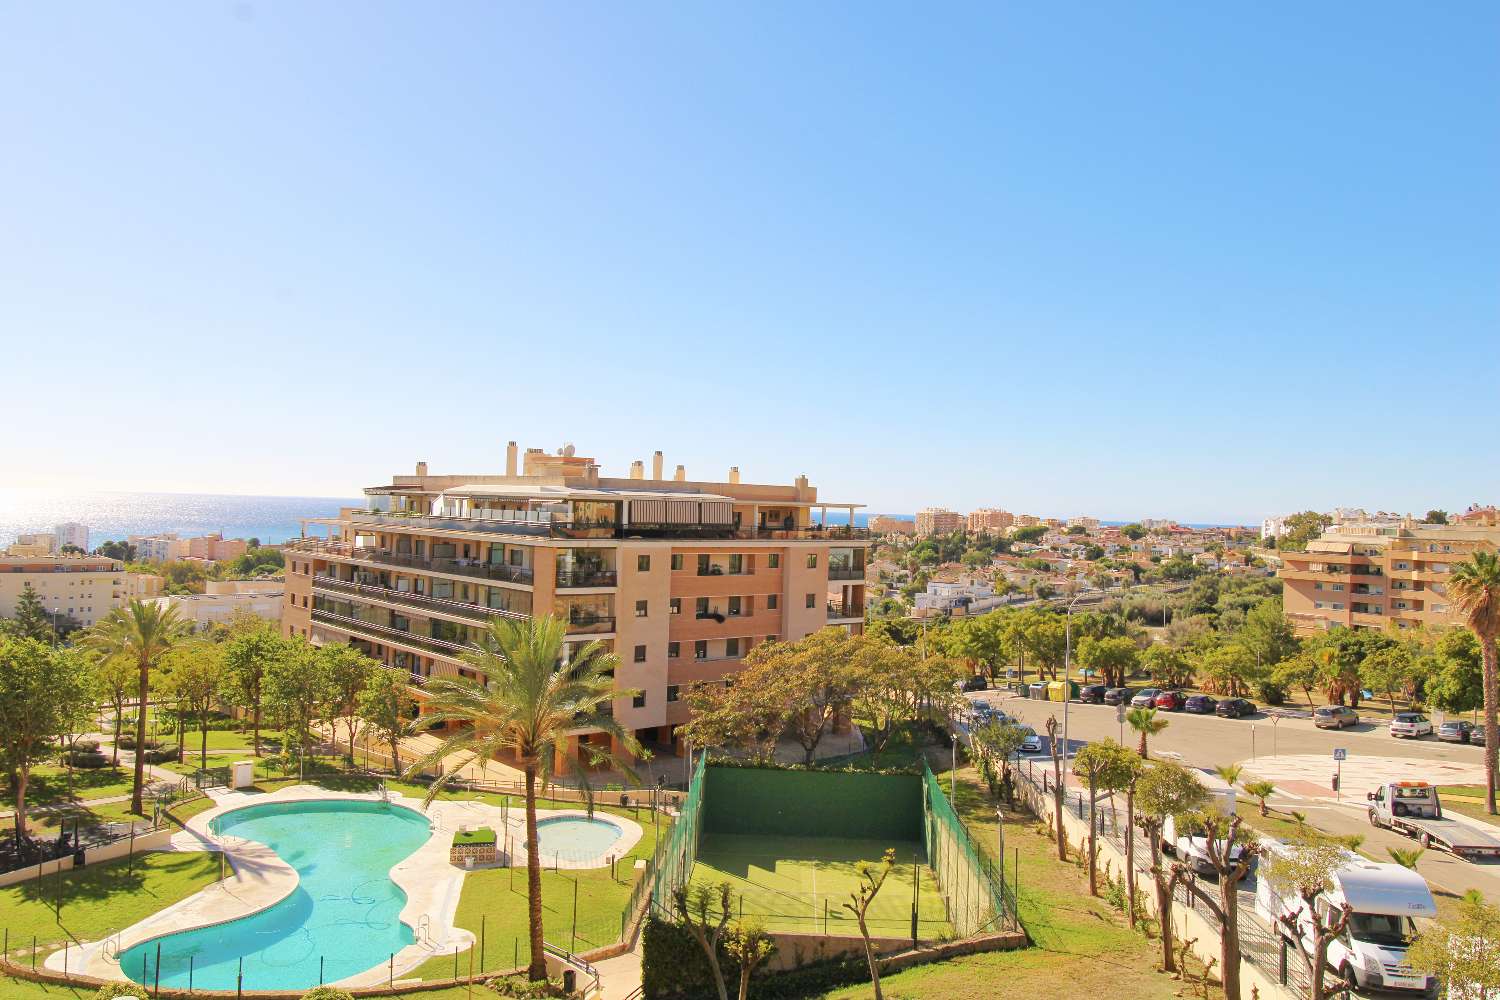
(1145,722)
(528,704)
(1474,586)
(141,633)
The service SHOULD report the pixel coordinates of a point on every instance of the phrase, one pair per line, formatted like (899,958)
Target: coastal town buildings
(71,533)
(990,520)
(225,600)
(32,545)
(682,578)
(170,547)
(884,524)
(938,521)
(85,588)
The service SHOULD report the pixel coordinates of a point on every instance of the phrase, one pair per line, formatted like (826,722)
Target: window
(1338,586)
(773,560)
(640,609)
(643,563)
(770,638)
(812,560)
(771,601)
(812,600)
(674,606)
(736,564)
(674,650)
(673,692)
(677,560)
(1317,586)
(734,606)
(1338,607)
(640,654)
(700,649)
(700,607)
(639,701)
(731,647)
(703,564)
(1319,604)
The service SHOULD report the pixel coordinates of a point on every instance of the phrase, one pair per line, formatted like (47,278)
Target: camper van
(1191,849)
(1384,900)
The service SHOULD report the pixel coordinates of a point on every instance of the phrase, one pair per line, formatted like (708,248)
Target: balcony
(459,567)
(590,624)
(846,572)
(537,525)
(384,633)
(476,613)
(572,579)
(839,610)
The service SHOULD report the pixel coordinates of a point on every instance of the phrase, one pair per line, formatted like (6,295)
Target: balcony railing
(838,609)
(459,567)
(574,578)
(846,572)
(539,525)
(591,624)
(475,612)
(370,630)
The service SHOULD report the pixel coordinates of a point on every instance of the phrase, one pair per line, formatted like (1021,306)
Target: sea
(111,516)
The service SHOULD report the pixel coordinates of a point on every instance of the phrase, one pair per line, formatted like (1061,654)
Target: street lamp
(54,626)
(1067,665)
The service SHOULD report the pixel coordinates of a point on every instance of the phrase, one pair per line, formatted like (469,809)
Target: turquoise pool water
(344,912)
(576,838)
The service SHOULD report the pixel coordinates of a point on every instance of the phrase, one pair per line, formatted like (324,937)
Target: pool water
(344,913)
(576,838)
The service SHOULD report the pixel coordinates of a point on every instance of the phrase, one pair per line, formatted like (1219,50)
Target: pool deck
(261,879)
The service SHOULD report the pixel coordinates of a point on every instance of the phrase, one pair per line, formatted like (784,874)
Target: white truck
(1383,899)
(1413,808)
(1191,847)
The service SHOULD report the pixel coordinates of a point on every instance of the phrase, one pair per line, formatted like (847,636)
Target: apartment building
(990,521)
(1373,573)
(225,600)
(1089,524)
(72,533)
(882,524)
(216,547)
(86,588)
(680,577)
(158,548)
(938,521)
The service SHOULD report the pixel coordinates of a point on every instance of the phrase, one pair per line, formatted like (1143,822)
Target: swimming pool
(576,838)
(343,917)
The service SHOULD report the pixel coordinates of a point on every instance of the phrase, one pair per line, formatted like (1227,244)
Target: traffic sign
(1339,753)
(1120,713)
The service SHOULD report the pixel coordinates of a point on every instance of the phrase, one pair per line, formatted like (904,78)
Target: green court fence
(673,865)
(779,802)
(979,901)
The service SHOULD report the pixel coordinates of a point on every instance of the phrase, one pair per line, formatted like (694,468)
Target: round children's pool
(579,839)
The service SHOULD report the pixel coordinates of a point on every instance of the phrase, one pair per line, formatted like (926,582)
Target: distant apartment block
(938,521)
(72,533)
(1027,521)
(681,578)
(990,521)
(1086,523)
(225,600)
(1373,574)
(882,524)
(216,548)
(169,547)
(86,588)
(32,545)
(966,597)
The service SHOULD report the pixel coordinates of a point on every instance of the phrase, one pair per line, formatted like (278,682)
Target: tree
(695,907)
(871,878)
(1474,586)
(1266,634)
(527,704)
(1261,791)
(251,647)
(1228,669)
(386,706)
(122,551)
(44,691)
(1435,517)
(1388,670)
(1055,749)
(1145,722)
(1231,849)
(1457,681)
(1462,950)
(1165,789)
(1134,532)
(1306,871)
(1301,671)
(749,945)
(349,671)
(1167,666)
(193,673)
(1029,533)
(1107,767)
(1299,529)
(894,684)
(141,632)
(114,677)
(30,619)
(1001,741)
(1108,659)
(1407,858)
(298,689)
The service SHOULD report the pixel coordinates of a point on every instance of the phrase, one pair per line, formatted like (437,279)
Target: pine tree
(31,619)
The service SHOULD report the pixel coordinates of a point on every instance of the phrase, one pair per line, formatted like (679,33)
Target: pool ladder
(424,930)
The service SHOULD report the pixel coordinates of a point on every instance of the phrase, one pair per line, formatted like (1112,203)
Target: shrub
(127,742)
(521,988)
(327,993)
(87,746)
(113,991)
(1271,693)
(86,759)
(160,755)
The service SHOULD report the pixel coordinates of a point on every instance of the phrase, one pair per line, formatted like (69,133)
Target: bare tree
(698,918)
(871,879)
(1056,749)
(1231,850)
(1306,871)
(1166,789)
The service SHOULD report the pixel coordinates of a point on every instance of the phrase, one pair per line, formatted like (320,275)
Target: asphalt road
(1208,741)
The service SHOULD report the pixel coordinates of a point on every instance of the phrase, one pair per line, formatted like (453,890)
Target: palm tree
(1474,586)
(141,633)
(1145,722)
(1405,858)
(1261,791)
(1230,773)
(528,704)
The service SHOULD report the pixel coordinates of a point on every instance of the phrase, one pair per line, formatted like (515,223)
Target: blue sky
(1200,261)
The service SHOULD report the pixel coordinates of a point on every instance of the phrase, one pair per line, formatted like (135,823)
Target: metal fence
(973,885)
(674,862)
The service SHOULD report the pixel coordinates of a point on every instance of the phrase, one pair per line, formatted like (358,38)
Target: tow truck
(1413,808)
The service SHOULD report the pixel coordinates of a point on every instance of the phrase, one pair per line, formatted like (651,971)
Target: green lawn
(101,898)
(1466,799)
(50,784)
(799,884)
(494,900)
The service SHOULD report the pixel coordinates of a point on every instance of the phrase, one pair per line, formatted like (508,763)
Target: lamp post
(54,627)
(1067,666)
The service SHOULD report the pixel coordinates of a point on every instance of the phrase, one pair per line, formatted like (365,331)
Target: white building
(962,598)
(72,533)
(1086,523)
(159,548)
(205,610)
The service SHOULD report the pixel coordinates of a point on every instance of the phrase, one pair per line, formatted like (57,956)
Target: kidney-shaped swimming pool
(343,917)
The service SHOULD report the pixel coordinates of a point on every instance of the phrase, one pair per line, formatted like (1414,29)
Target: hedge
(327,993)
(673,967)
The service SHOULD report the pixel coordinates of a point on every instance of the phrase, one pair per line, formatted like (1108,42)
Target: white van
(1384,898)
(1193,850)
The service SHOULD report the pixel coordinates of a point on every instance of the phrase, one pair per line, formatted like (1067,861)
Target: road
(1288,748)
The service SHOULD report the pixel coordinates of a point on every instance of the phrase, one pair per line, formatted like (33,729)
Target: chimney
(637,470)
(421,468)
(734,473)
(680,476)
(510,459)
(656,466)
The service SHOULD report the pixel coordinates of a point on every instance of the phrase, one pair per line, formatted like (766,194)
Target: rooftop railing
(543,525)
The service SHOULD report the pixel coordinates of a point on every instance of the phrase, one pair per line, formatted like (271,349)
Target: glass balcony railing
(385,633)
(459,567)
(573,578)
(474,612)
(839,609)
(540,525)
(846,572)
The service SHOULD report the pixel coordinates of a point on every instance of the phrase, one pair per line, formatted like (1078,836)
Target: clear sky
(1208,261)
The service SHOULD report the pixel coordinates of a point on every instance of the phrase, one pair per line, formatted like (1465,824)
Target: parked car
(1476,736)
(1200,704)
(976,683)
(1334,717)
(1235,708)
(1145,698)
(1118,696)
(1410,725)
(1169,700)
(1033,742)
(1092,694)
(1456,731)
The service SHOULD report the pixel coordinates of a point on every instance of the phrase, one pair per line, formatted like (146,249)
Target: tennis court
(799,884)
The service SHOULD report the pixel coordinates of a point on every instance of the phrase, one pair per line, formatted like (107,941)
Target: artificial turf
(800,884)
